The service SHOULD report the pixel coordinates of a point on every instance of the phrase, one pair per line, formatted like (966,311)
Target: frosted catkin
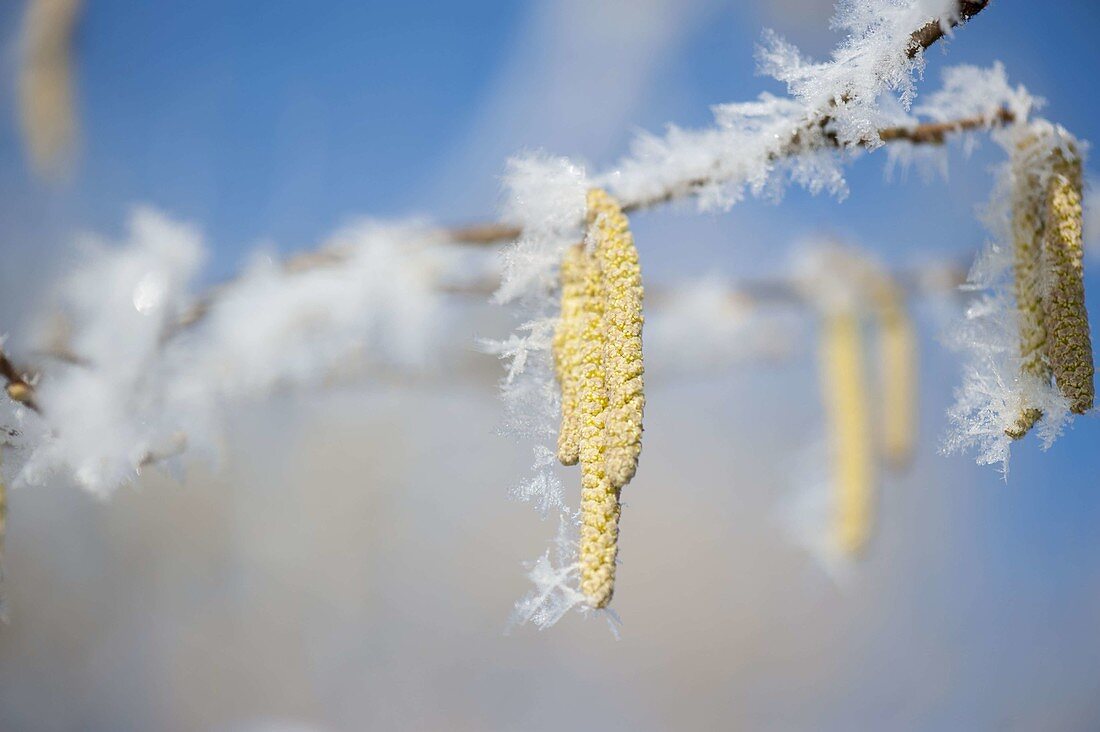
(599,340)
(599,531)
(567,351)
(621,293)
(844,386)
(1027,233)
(1069,347)
(897,352)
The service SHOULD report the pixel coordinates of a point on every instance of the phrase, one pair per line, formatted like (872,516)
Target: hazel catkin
(1069,346)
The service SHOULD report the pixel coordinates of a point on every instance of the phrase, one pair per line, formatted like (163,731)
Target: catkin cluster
(1048,282)
(850,292)
(598,359)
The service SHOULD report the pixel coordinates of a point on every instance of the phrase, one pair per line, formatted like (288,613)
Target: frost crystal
(555,575)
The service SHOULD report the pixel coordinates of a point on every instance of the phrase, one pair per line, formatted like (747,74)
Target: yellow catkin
(1069,347)
(599,531)
(45,82)
(1027,234)
(843,384)
(598,360)
(621,293)
(897,350)
(609,388)
(567,351)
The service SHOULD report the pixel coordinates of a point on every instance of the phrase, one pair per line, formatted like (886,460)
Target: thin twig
(933,31)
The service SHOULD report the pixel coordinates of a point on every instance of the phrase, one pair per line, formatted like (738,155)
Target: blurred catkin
(844,386)
(897,350)
(1027,233)
(1069,347)
(621,293)
(567,351)
(45,83)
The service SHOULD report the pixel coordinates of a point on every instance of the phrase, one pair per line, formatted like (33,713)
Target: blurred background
(352,562)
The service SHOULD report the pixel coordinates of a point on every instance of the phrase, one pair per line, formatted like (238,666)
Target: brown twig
(935,133)
(933,31)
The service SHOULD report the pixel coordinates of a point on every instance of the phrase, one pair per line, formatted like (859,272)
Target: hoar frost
(138,382)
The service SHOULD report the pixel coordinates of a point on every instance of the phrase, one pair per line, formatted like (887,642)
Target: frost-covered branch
(927,133)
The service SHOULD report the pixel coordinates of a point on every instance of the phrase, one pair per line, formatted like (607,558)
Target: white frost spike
(546,197)
(974,91)
(544,488)
(993,391)
(872,59)
(556,576)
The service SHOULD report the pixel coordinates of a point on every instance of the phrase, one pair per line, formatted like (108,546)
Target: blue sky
(275,125)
